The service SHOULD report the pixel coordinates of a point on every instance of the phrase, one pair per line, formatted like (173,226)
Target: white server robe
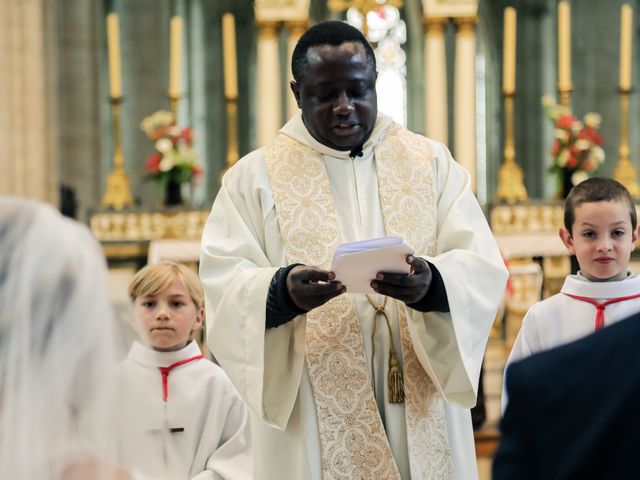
(215,443)
(561,319)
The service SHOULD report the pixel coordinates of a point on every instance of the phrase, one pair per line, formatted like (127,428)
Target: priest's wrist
(280,306)
(435,300)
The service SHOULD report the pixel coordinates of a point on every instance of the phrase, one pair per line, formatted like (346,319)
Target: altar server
(320,367)
(179,415)
(600,229)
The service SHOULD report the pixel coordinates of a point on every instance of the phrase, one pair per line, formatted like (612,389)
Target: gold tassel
(396,383)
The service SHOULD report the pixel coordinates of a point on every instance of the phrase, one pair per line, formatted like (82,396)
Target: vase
(565,182)
(173,194)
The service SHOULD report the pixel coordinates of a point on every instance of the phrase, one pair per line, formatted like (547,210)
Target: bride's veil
(57,342)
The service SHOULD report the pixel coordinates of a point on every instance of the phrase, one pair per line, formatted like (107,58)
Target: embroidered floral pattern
(409,206)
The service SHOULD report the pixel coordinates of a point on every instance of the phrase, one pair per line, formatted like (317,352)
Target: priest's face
(602,239)
(337,95)
(165,321)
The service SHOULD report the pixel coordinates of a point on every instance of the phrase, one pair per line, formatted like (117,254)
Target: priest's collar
(152,358)
(296,129)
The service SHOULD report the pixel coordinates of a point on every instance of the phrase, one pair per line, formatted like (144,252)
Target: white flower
(583,144)
(593,119)
(562,158)
(159,119)
(167,163)
(561,134)
(164,145)
(578,177)
(576,127)
(598,153)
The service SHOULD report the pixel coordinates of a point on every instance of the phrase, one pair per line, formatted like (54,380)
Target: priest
(344,385)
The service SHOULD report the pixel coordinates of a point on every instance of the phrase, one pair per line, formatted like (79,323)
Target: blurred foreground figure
(57,346)
(573,410)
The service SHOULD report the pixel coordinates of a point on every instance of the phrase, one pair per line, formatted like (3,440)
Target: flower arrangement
(577,145)
(174,162)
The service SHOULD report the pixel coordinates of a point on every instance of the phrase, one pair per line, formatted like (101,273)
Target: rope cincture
(166,370)
(600,306)
(394,377)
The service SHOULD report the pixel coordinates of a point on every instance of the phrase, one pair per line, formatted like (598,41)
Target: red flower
(590,133)
(565,122)
(196,170)
(572,161)
(555,148)
(187,134)
(153,163)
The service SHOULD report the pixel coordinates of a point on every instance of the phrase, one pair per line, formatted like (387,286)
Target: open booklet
(357,263)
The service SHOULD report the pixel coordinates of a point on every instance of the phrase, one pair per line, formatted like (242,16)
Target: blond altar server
(343,385)
(179,416)
(601,231)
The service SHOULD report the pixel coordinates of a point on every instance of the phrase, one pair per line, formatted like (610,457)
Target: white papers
(357,263)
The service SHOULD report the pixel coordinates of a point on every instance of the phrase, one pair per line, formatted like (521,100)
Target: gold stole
(353,441)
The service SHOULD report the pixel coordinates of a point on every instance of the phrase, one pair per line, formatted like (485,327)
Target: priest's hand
(407,287)
(310,287)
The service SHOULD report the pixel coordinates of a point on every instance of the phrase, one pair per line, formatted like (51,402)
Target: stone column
(435,77)
(465,95)
(269,117)
(295,31)
(28,159)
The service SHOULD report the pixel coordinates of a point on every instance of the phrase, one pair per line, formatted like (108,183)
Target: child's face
(602,239)
(166,320)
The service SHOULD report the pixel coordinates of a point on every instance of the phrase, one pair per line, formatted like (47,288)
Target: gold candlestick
(625,172)
(510,178)
(174,100)
(118,194)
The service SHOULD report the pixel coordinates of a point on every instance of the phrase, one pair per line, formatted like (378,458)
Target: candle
(509,51)
(230,59)
(175,52)
(113,48)
(564,44)
(626,34)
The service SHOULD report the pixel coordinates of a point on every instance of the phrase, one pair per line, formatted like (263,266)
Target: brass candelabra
(510,178)
(118,194)
(625,172)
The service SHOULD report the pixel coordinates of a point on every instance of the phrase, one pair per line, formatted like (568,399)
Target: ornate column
(295,29)
(269,116)
(27,127)
(465,95)
(435,74)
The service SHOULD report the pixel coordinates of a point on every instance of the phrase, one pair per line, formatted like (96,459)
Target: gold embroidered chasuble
(352,436)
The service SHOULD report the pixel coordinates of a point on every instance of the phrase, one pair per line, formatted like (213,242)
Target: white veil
(57,342)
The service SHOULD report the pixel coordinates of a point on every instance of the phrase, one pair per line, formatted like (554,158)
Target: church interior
(126,114)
